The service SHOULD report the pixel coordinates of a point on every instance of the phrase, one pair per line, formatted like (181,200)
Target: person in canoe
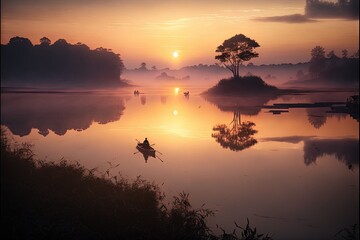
(146,143)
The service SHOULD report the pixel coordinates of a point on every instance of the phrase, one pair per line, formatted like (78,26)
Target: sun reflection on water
(177,90)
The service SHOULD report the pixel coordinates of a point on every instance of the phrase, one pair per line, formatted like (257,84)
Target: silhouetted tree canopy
(235,50)
(143,66)
(317,60)
(344,53)
(45,41)
(331,54)
(20,42)
(58,64)
(356,54)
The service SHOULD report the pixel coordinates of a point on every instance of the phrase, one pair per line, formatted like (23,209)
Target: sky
(151,31)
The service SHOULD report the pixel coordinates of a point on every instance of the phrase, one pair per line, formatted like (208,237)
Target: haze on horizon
(151,31)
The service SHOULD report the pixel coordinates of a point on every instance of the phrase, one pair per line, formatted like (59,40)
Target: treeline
(332,69)
(58,64)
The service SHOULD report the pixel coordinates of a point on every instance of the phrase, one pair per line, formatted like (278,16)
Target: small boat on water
(146,150)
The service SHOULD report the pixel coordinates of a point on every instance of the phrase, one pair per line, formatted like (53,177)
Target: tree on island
(235,50)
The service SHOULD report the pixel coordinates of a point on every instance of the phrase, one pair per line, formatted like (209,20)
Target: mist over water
(208,75)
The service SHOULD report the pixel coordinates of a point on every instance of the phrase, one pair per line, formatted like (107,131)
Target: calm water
(299,180)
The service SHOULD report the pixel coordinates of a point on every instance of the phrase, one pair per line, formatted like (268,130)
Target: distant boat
(146,150)
(186,94)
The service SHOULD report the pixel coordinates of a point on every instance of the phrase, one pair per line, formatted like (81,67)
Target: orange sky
(150,31)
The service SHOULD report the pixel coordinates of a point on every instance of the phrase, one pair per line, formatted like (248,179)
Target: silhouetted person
(146,143)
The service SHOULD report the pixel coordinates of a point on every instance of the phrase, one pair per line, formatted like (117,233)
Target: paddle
(136,152)
(159,158)
(158,152)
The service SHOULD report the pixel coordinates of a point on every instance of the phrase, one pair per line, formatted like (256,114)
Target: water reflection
(187,95)
(58,112)
(345,150)
(163,99)
(143,100)
(318,112)
(341,110)
(316,117)
(245,105)
(238,136)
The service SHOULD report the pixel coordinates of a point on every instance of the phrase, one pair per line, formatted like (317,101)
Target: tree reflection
(316,117)
(58,112)
(344,150)
(238,136)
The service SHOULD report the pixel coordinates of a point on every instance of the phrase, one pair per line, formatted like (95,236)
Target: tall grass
(47,200)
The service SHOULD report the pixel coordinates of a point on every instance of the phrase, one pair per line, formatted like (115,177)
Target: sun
(175,54)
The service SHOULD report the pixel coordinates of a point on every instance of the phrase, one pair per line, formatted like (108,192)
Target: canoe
(146,150)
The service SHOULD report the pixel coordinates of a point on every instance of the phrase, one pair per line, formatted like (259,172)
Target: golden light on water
(177,90)
(175,112)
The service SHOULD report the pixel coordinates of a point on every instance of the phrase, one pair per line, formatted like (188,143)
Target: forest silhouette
(330,70)
(60,64)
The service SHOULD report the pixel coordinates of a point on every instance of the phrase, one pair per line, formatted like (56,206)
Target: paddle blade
(159,158)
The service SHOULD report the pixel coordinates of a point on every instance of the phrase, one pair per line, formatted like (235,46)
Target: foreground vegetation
(42,200)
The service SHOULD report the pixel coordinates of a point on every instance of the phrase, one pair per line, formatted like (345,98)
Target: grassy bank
(42,200)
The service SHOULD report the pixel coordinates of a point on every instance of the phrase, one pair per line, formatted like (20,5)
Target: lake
(293,171)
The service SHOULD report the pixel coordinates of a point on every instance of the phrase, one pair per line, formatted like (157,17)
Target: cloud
(346,9)
(316,9)
(293,18)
